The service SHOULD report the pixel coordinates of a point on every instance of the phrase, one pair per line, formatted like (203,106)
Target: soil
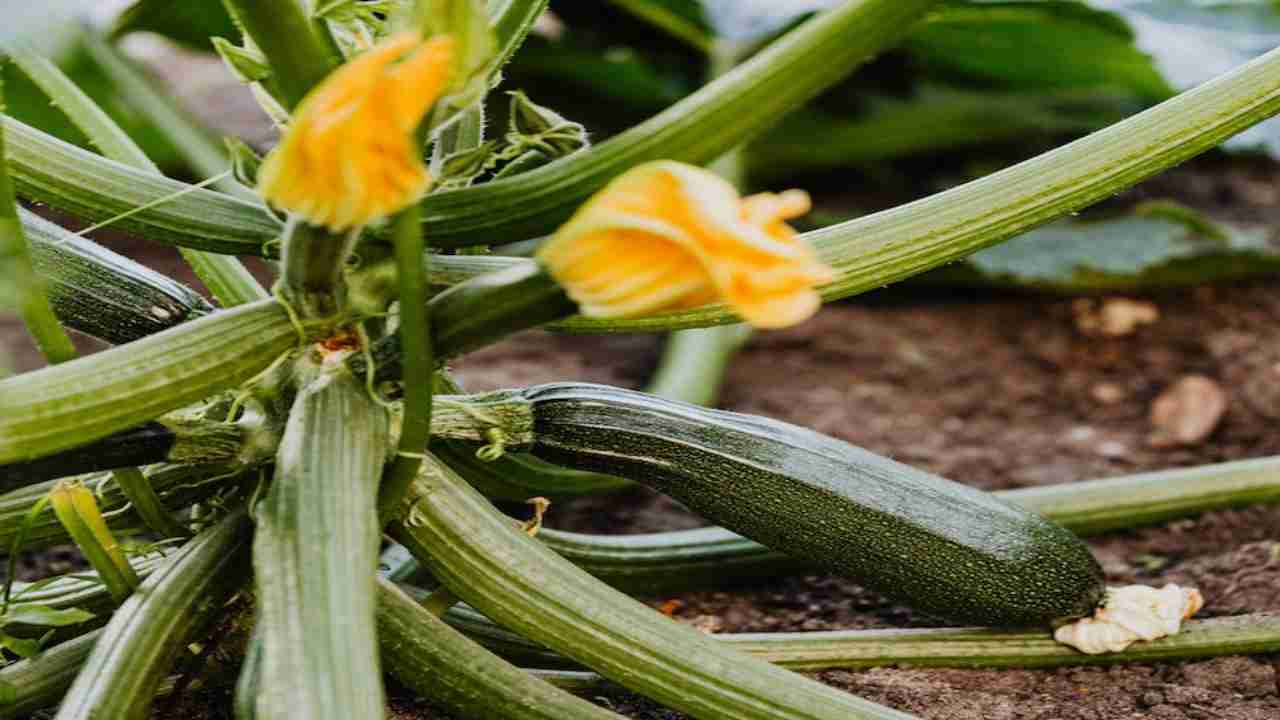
(995,390)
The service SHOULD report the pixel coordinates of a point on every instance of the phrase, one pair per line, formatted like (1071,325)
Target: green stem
(694,361)
(226,278)
(204,155)
(147,633)
(16,271)
(312,269)
(89,186)
(40,681)
(147,504)
(476,313)
(670,22)
(178,487)
(297,47)
(438,662)
(60,407)
(657,563)
(316,552)
(414,332)
(509,576)
(940,647)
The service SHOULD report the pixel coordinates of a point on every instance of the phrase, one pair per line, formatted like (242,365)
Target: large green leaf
(1036,46)
(189,22)
(1159,249)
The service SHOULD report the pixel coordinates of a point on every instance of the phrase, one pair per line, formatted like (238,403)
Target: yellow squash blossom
(666,236)
(349,155)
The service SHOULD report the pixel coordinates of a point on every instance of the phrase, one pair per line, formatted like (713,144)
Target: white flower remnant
(1130,614)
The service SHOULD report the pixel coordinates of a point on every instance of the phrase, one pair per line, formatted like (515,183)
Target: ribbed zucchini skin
(941,547)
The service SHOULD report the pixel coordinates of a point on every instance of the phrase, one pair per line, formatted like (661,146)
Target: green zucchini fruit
(941,547)
(101,293)
(683,560)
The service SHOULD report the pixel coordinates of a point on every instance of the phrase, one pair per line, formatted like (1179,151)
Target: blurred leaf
(43,616)
(51,23)
(1192,41)
(616,74)
(934,120)
(8,693)
(1136,251)
(22,647)
(1036,46)
(189,22)
(28,104)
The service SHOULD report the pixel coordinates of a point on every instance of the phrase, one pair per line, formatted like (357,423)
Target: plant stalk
(496,567)
(17,273)
(140,643)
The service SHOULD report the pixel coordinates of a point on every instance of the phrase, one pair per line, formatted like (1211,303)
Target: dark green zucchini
(941,547)
(101,293)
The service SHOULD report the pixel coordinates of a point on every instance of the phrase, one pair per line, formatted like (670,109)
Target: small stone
(1107,393)
(1152,697)
(1112,449)
(1113,317)
(1187,412)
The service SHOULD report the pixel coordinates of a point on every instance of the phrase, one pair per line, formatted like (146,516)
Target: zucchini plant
(276,436)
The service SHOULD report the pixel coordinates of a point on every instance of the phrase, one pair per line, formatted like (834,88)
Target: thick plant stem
(312,269)
(139,644)
(226,278)
(297,47)
(17,273)
(694,362)
(933,647)
(316,553)
(509,576)
(438,662)
(66,405)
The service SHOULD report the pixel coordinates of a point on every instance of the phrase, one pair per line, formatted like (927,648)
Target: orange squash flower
(668,236)
(348,156)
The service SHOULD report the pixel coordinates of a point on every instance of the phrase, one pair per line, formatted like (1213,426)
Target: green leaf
(44,616)
(1036,46)
(190,22)
(22,647)
(1157,249)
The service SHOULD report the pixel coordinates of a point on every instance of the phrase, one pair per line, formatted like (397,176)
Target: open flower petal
(668,235)
(349,156)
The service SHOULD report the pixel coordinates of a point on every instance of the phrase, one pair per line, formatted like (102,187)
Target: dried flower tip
(667,236)
(349,156)
(1130,614)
